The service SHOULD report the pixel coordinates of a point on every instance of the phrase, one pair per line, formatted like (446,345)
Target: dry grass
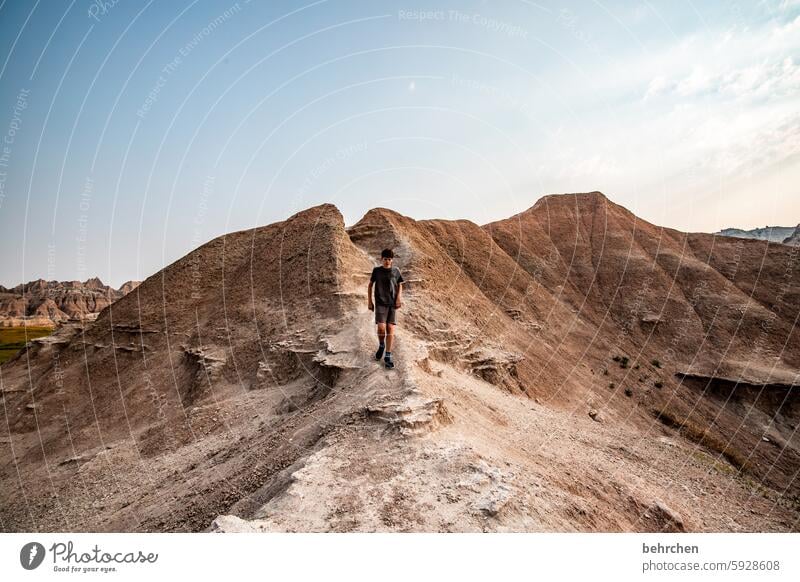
(702,436)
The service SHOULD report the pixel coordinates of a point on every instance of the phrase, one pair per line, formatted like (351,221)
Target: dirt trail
(452,453)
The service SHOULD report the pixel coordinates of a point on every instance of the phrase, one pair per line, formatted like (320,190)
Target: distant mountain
(776,234)
(128,286)
(794,238)
(48,303)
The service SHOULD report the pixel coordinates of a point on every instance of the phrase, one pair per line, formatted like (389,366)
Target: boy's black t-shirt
(386,284)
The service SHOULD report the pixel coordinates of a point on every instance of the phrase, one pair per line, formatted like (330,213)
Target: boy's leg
(389,336)
(387,357)
(381,340)
(390,323)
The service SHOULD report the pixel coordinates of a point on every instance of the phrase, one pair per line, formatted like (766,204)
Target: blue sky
(134,131)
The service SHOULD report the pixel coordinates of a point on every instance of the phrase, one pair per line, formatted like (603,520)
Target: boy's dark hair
(387,253)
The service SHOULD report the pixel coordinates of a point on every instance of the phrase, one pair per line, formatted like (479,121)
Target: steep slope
(651,286)
(220,355)
(469,315)
(235,390)
(708,309)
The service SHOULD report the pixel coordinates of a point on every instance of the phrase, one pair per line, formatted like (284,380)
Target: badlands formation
(43,303)
(570,368)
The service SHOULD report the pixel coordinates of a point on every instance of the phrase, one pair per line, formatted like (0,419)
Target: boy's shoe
(379,353)
(388,362)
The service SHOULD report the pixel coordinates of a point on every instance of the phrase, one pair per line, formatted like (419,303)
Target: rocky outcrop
(794,238)
(414,415)
(128,286)
(775,234)
(50,303)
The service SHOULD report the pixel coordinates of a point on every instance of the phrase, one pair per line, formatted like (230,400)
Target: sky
(134,131)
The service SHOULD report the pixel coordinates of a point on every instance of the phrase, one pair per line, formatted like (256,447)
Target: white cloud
(726,103)
(699,81)
(733,61)
(763,81)
(657,86)
(657,130)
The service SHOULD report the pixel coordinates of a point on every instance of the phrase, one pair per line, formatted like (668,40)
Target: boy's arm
(369,296)
(397,298)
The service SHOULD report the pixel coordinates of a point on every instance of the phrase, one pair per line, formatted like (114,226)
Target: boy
(387,281)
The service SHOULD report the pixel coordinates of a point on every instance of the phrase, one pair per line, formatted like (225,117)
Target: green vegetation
(656,363)
(13,339)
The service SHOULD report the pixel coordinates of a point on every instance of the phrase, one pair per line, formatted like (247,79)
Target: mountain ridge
(536,356)
(49,303)
(774,234)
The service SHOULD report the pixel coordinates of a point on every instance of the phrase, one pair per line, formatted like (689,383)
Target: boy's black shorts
(385,313)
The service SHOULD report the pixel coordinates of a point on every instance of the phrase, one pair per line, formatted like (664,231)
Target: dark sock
(388,355)
(380,343)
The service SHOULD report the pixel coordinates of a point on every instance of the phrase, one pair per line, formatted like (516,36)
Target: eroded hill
(569,368)
(50,303)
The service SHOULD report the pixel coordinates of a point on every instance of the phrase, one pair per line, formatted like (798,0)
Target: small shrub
(656,363)
(658,385)
(623,363)
(611,385)
(636,367)
(628,392)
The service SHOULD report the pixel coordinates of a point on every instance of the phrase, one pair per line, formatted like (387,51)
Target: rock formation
(49,303)
(794,238)
(776,234)
(570,368)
